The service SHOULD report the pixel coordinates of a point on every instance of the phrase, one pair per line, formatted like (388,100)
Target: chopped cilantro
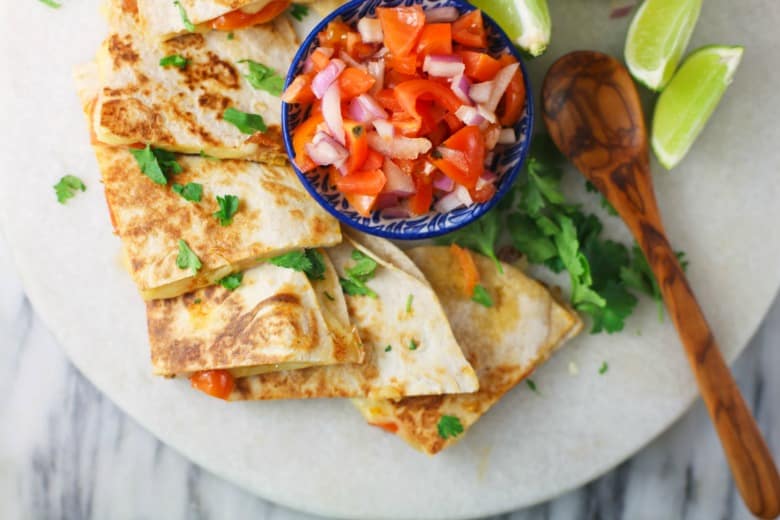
(184,18)
(355,282)
(67,187)
(409,301)
(245,122)
(530,383)
(228,207)
(388,348)
(413,344)
(603,368)
(207,156)
(156,163)
(230,35)
(481,296)
(232,281)
(449,427)
(265,78)
(198,300)
(187,259)
(51,3)
(328,296)
(174,60)
(192,191)
(298,11)
(308,261)
(356,288)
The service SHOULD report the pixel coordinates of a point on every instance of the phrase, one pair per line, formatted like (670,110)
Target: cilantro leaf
(481,296)
(245,122)
(308,261)
(228,207)
(388,348)
(481,236)
(265,78)
(51,3)
(174,60)
(619,304)
(230,35)
(232,281)
(204,155)
(299,11)
(192,191)
(413,344)
(530,384)
(364,267)
(67,187)
(317,270)
(184,18)
(156,163)
(353,287)
(187,259)
(530,239)
(603,368)
(449,427)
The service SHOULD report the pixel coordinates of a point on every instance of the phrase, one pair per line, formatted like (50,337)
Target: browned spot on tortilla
(130,7)
(117,92)
(121,50)
(213,69)
(191,121)
(184,42)
(130,118)
(214,101)
(270,139)
(297,214)
(282,193)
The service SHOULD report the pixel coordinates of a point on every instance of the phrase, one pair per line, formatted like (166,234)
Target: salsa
(406,109)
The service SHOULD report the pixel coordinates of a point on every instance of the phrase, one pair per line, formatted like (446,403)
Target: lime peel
(527,22)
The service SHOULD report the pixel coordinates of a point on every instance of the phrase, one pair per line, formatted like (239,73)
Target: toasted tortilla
(504,344)
(275,215)
(180,109)
(276,319)
(423,358)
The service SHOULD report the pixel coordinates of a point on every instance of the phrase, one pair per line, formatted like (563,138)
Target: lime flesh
(657,38)
(527,22)
(686,105)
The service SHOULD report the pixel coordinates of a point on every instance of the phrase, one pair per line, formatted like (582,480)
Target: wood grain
(593,113)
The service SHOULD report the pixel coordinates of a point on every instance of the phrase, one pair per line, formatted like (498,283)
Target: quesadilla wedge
(504,343)
(408,343)
(200,102)
(275,215)
(277,318)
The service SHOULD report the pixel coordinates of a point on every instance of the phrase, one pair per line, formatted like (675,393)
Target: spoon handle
(750,460)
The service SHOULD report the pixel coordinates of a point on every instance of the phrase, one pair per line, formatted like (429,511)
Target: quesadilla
(210,98)
(277,318)
(504,343)
(409,346)
(275,215)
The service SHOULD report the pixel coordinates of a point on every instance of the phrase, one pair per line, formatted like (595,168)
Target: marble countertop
(67,452)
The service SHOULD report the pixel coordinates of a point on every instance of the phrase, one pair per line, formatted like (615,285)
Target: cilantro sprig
(228,207)
(192,191)
(156,163)
(67,187)
(232,281)
(354,283)
(245,122)
(185,20)
(263,77)
(187,259)
(51,3)
(299,11)
(482,296)
(308,261)
(174,60)
(449,426)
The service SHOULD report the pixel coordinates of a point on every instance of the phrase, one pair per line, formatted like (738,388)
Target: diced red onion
(331,111)
(357,112)
(349,60)
(326,77)
(441,15)
(326,151)
(399,147)
(487,178)
(449,203)
(443,183)
(365,109)
(456,157)
(386,200)
(480,92)
(398,181)
(384,128)
(507,136)
(463,194)
(396,212)
(377,70)
(461,87)
(491,136)
(370,30)
(444,66)
(469,115)
(308,65)
(486,114)
(502,81)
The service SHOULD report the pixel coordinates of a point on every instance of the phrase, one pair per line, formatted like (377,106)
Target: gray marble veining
(67,452)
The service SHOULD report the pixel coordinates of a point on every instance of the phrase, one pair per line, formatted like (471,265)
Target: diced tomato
(216,383)
(403,64)
(238,19)
(320,60)
(363,204)
(393,78)
(386,426)
(357,144)
(374,160)
(409,93)
(469,30)
(357,49)
(354,82)
(484,194)
(363,182)
(420,202)
(299,90)
(512,105)
(480,66)
(439,134)
(471,143)
(467,267)
(453,122)
(402,27)
(335,35)
(387,99)
(406,125)
(436,38)
(302,136)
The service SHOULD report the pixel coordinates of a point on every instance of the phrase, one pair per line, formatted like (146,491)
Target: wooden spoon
(593,113)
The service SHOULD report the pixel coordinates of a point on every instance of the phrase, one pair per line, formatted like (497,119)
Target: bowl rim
(509,178)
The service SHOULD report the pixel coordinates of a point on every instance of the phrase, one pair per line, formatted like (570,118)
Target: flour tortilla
(504,344)
(275,215)
(181,109)
(424,358)
(276,319)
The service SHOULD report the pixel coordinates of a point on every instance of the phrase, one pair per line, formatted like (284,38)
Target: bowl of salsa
(407,120)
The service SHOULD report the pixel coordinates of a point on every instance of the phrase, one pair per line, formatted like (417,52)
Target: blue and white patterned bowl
(507,163)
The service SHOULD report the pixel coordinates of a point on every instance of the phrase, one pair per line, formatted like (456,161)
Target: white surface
(720,206)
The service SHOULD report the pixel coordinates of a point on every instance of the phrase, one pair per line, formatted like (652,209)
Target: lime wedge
(686,105)
(657,38)
(527,22)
